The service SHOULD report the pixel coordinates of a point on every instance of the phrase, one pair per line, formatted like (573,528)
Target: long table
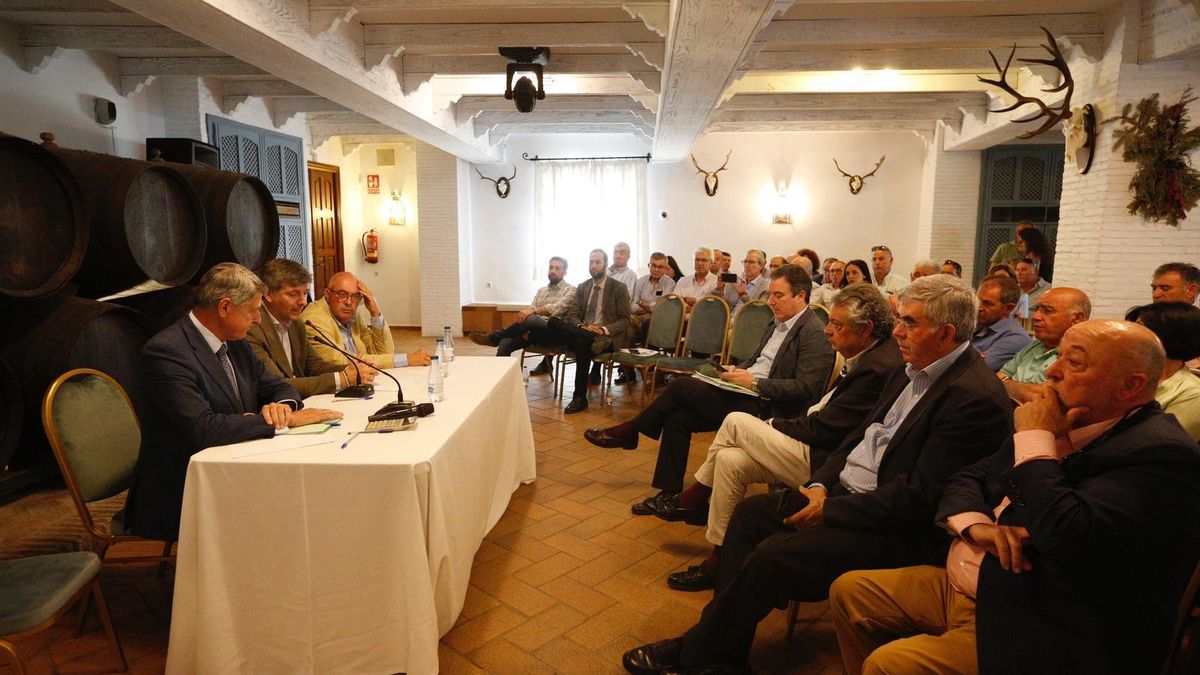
(299,556)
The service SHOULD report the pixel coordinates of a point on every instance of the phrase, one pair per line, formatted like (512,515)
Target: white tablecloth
(322,559)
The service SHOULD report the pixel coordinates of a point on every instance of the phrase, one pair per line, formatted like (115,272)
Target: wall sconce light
(396,209)
(782,211)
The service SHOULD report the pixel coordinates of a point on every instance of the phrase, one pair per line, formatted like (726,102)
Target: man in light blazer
(281,341)
(336,315)
(789,370)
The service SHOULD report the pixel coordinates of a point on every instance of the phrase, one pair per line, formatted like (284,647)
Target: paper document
(727,386)
(265,446)
(315,428)
(640,351)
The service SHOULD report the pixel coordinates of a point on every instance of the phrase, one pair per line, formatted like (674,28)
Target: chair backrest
(95,434)
(666,324)
(821,311)
(708,327)
(748,326)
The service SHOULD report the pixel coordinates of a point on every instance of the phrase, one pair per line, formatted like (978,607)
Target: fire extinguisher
(370,242)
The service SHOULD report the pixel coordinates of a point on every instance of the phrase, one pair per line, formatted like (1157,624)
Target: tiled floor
(566,581)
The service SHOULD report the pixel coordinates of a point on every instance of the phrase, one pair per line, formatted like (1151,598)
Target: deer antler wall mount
(1079,125)
(856,182)
(503,185)
(711,182)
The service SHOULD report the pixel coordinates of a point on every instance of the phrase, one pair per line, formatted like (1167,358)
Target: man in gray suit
(598,321)
(788,371)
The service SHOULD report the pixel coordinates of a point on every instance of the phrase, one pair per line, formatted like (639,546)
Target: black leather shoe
(483,339)
(543,368)
(670,511)
(607,438)
(694,578)
(653,659)
(577,404)
(649,505)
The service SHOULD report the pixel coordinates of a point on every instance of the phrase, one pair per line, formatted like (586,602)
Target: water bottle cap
(434,357)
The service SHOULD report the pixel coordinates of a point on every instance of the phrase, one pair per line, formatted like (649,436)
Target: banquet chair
(35,592)
(707,333)
(821,311)
(663,336)
(95,435)
(748,326)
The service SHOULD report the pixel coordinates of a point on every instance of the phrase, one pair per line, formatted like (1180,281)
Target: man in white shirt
(885,280)
(619,269)
(695,286)
(750,286)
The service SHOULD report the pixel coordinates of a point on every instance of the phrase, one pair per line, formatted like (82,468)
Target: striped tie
(223,356)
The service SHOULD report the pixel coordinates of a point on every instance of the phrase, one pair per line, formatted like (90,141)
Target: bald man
(338,319)
(1072,544)
(1058,310)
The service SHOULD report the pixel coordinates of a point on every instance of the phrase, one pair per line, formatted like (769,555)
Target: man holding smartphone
(751,286)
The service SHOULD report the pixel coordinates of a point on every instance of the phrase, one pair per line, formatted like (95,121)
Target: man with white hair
(619,269)
(695,286)
(923,268)
(750,286)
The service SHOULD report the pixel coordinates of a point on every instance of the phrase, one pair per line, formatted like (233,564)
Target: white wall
(60,99)
(827,217)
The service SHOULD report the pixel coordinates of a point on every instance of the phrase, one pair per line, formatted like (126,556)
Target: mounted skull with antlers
(503,185)
(1053,114)
(856,182)
(710,177)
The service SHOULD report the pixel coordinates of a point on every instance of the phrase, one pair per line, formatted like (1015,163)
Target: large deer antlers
(856,182)
(503,185)
(1053,114)
(711,182)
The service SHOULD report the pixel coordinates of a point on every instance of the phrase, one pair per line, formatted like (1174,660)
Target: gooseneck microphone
(400,411)
(400,405)
(360,390)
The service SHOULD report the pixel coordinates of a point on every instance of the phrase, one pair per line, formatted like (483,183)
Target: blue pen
(352,437)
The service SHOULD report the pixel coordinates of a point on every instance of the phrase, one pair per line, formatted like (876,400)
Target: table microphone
(359,390)
(401,411)
(399,405)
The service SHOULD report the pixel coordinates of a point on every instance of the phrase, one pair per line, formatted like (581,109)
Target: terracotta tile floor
(566,581)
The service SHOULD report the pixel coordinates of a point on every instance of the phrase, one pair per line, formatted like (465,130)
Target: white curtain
(588,204)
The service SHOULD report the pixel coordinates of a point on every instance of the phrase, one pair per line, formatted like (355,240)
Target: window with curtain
(589,204)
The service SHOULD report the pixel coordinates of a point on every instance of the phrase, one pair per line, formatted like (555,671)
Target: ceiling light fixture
(524,93)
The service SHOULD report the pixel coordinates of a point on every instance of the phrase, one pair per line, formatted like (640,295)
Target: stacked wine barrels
(80,226)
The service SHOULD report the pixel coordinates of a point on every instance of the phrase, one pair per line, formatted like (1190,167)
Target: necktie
(593,301)
(223,357)
(841,374)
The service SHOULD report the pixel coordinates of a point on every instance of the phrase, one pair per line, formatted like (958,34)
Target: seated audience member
(887,281)
(599,319)
(1059,309)
(748,450)
(338,318)
(803,263)
(1072,545)
(1002,269)
(202,387)
(750,286)
(676,273)
(857,272)
(776,262)
(998,336)
(724,260)
(619,269)
(835,273)
(281,342)
(871,504)
(1033,287)
(1033,245)
(646,293)
(923,268)
(695,286)
(1177,325)
(553,299)
(817,272)
(788,370)
(952,268)
(1177,282)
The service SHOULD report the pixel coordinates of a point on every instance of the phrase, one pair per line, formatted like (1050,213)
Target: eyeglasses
(701,259)
(342,296)
(880,247)
(751,261)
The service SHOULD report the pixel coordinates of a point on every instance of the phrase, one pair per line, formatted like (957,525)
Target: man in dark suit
(871,503)
(1073,545)
(281,342)
(749,450)
(598,321)
(789,371)
(202,386)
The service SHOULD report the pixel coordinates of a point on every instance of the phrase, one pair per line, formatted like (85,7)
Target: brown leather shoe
(482,339)
(612,438)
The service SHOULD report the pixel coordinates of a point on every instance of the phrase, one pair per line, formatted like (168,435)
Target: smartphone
(729,278)
(790,502)
(658,293)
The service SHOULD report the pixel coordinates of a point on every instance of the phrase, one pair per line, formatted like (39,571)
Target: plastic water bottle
(524,373)
(443,358)
(436,388)
(448,338)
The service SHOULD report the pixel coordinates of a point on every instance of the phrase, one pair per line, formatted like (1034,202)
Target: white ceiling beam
(274,37)
(469,106)
(655,14)
(502,131)
(350,143)
(269,87)
(40,43)
(921,126)
(493,117)
(284,109)
(930,31)
(1170,30)
(831,115)
(559,63)
(411,5)
(599,34)
(60,6)
(136,73)
(974,60)
(702,57)
(861,101)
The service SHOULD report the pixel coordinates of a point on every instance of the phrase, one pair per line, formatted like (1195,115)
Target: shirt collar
(214,343)
(600,282)
(279,327)
(853,360)
(792,321)
(935,370)
(345,325)
(1005,325)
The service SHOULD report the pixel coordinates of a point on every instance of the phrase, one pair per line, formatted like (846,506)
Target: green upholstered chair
(707,333)
(748,326)
(35,592)
(663,336)
(95,435)
(821,311)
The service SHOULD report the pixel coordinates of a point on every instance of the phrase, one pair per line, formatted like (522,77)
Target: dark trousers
(579,341)
(764,565)
(686,406)
(519,334)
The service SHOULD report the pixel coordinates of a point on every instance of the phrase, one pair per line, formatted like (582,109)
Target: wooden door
(325,207)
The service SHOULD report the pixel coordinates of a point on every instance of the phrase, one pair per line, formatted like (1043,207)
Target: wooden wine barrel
(11,413)
(243,224)
(46,339)
(161,308)
(147,222)
(44,228)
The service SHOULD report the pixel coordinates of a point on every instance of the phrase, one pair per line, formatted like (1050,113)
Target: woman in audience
(857,272)
(1033,244)
(1177,325)
(676,273)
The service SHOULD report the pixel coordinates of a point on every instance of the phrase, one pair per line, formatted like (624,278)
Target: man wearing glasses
(885,280)
(338,318)
(751,285)
(695,286)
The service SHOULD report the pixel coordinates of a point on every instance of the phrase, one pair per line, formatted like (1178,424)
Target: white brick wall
(949,213)
(437,203)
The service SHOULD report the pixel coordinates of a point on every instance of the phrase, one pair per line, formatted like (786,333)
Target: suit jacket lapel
(296,336)
(926,401)
(275,347)
(208,360)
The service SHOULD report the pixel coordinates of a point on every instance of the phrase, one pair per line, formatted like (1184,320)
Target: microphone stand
(400,402)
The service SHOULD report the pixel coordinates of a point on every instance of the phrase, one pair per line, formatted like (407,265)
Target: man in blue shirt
(998,336)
